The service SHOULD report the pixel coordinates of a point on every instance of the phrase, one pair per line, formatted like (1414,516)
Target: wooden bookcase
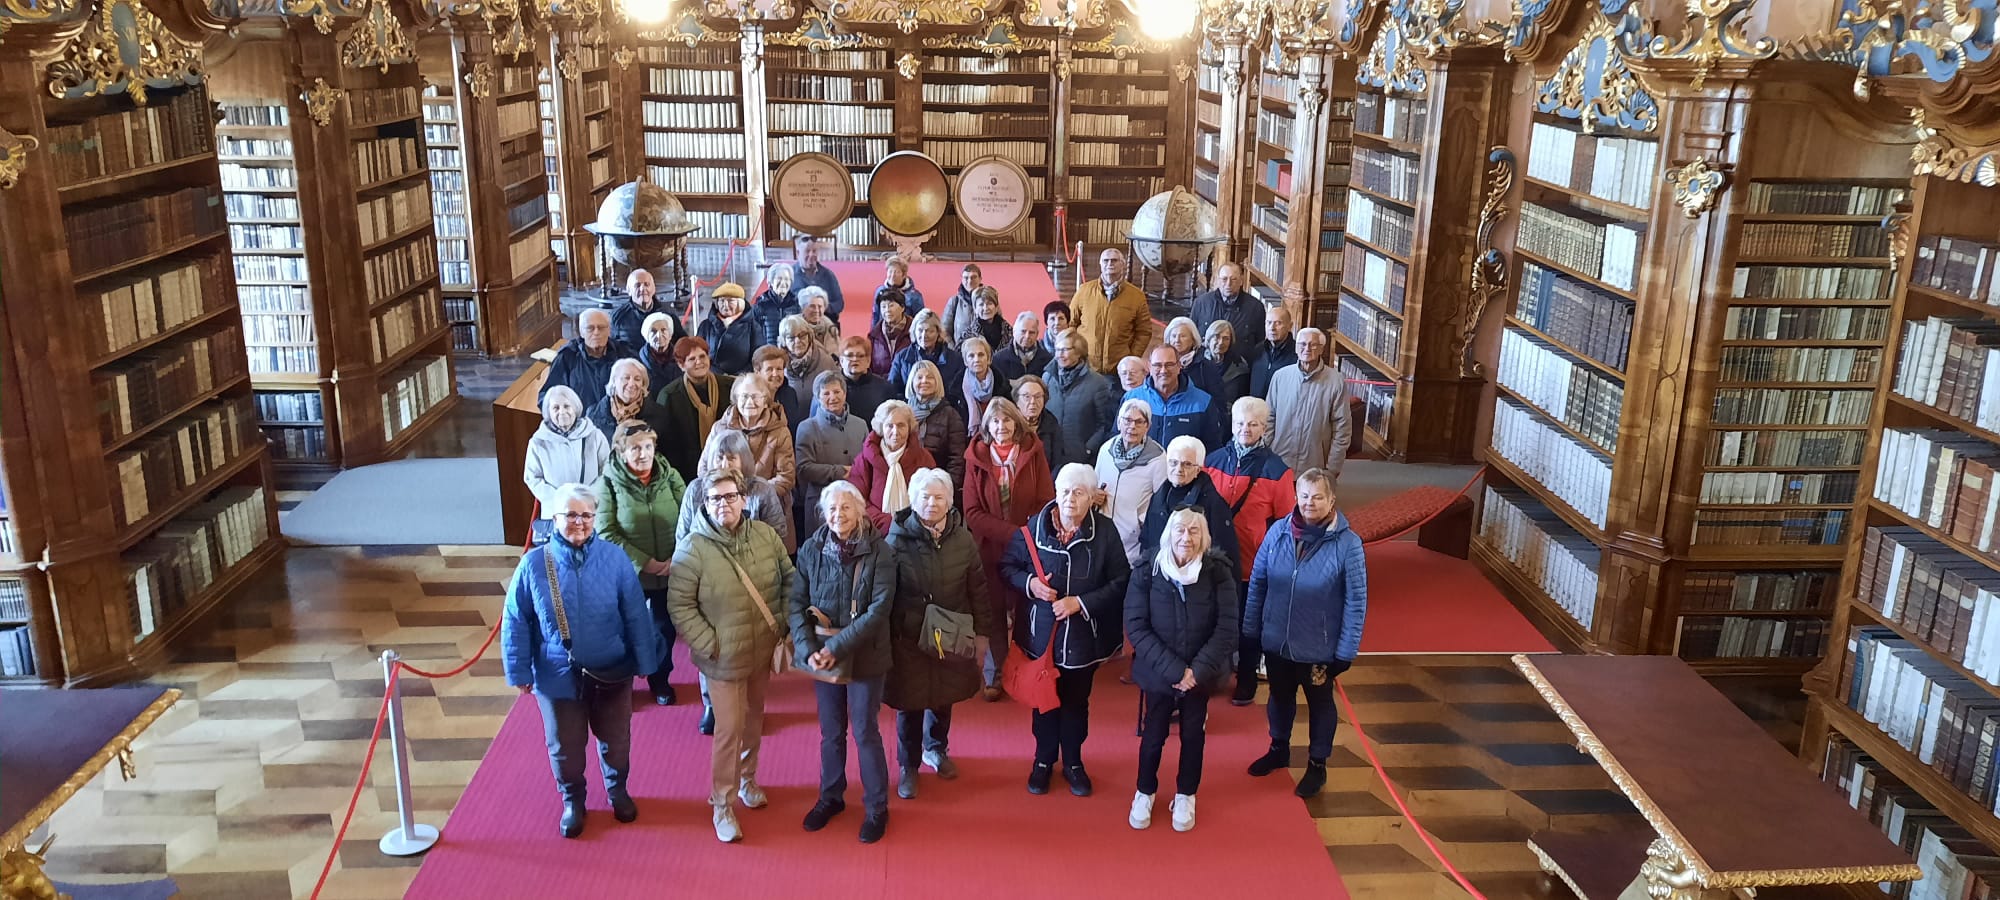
(516,303)
(691,125)
(137,485)
(1405,314)
(1639,497)
(842,101)
(975,104)
(578,135)
(1124,113)
(357,141)
(451,207)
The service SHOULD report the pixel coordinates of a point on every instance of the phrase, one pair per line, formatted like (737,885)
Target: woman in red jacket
(889,456)
(1007,481)
(1259,489)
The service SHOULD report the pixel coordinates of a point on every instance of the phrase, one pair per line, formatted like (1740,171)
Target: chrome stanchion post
(408,838)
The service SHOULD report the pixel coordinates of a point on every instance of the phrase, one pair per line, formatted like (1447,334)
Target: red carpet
(1420,601)
(1021,285)
(982,835)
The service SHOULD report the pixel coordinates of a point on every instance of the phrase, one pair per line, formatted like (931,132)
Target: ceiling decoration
(1714,32)
(377,41)
(910,15)
(124,50)
(817,32)
(1594,85)
(1390,64)
(999,40)
(1935,38)
(689,29)
(322,11)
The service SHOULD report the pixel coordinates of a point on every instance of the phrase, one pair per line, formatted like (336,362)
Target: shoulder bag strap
(757,599)
(1034,555)
(555,597)
(1237,507)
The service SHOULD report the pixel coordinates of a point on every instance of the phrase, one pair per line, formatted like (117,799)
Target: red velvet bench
(1442,517)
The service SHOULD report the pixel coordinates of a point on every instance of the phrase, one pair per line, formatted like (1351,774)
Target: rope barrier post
(408,838)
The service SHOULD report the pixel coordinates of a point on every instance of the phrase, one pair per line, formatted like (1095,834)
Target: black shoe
(1079,780)
(708,720)
(1313,780)
(906,786)
(622,807)
(1245,693)
(572,818)
(823,812)
(663,693)
(873,827)
(1038,778)
(1273,759)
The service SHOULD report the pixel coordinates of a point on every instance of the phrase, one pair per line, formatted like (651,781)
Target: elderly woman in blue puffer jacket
(1307,602)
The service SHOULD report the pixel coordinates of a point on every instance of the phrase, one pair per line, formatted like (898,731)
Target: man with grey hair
(574,632)
(1311,427)
(584,365)
(1229,302)
(1131,373)
(1113,313)
(628,319)
(812,274)
(1025,353)
(1279,350)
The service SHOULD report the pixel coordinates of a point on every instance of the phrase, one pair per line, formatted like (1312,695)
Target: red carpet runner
(982,835)
(1420,601)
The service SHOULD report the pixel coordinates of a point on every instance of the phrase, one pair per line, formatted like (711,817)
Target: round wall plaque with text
(992,196)
(813,193)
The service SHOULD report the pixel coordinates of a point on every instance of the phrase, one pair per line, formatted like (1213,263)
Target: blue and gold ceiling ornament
(322,11)
(997,41)
(1390,64)
(816,32)
(690,30)
(1937,38)
(124,50)
(1595,85)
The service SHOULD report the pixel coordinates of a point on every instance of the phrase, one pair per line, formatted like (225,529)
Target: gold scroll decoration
(909,15)
(125,49)
(14,149)
(1935,154)
(320,100)
(1714,32)
(377,41)
(321,11)
(1489,268)
(1697,186)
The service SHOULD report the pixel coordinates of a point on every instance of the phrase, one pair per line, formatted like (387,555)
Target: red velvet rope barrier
(360,782)
(756,234)
(1390,786)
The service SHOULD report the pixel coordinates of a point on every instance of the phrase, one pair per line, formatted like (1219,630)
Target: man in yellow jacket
(1112,313)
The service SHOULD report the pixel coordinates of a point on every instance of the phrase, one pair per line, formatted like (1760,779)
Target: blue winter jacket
(1189,411)
(610,628)
(1308,599)
(950,367)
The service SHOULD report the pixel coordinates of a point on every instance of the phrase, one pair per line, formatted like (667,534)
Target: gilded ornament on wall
(377,41)
(1935,154)
(907,65)
(321,11)
(1714,32)
(320,100)
(909,15)
(567,65)
(1941,37)
(1616,98)
(1390,64)
(1489,268)
(1697,186)
(624,57)
(996,42)
(14,149)
(480,80)
(816,33)
(125,53)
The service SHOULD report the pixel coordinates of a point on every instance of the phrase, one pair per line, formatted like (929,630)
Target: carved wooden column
(1059,56)
(1308,152)
(756,129)
(1232,170)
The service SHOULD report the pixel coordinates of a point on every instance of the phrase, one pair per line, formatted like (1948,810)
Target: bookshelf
(976,103)
(1223,131)
(451,210)
(579,121)
(842,102)
(1125,121)
(1423,125)
(1294,172)
(508,196)
(692,126)
(1674,460)
(136,483)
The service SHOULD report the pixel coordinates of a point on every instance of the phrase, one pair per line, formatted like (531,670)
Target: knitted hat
(728,289)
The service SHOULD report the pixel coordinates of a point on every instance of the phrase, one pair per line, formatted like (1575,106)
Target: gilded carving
(1232,76)
(17,833)
(21,874)
(1062,68)
(567,65)
(1697,186)
(1489,268)
(1941,37)
(1067,20)
(1435,26)
(377,41)
(908,65)
(1312,98)
(321,11)
(95,62)
(909,15)
(480,80)
(624,57)
(1616,97)
(816,32)
(1123,41)
(1714,32)
(1182,70)
(26,11)
(747,10)
(1935,154)
(1390,64)
(320,100)
(996,42)
(1898,224)
(14,149)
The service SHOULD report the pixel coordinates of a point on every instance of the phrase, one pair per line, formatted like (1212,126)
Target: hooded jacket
(706,598)
(1085,401)
(856,596)
(1309,598)
(730,346)
(558,459)
(761,502)
(945,570)
(1201,494)
(943,433)
(1091,567)
(641,518)
(1175,627)
(585,374)
(770,310)
(771,452)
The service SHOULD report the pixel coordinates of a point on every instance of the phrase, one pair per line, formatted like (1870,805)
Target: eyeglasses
(577,516)
(725,499)
(1182,464)
(1133,420)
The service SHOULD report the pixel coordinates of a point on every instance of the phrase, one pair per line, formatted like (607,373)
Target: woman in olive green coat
(639,502)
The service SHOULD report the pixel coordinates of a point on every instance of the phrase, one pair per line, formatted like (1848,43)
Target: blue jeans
(657,602)
(919,731)
(600,708)
(855,705)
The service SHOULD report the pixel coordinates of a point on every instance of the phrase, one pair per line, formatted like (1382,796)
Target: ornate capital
(1489,268)
(321,11)
(907,65)
(1697,186)
(624,57)
(320,100)
(480,80)
(567,65)
(14,149)
(377,41)
(1232,76)
(115,54)
(1390,64)
(1714,32)
(1935,154)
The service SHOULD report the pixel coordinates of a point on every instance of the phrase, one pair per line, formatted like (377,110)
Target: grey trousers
(602,709)
(856,705)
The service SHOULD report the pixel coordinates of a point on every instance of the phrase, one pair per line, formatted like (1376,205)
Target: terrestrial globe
(1172,233)
(640,223)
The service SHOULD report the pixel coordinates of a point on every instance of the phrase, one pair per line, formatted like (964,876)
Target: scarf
(1125,456)
(845,551)
(924,408)
(564,432)
(704,410)
(1181,575)
(575,554)
(1067,378)
(621,411)
(1004,458)
(977,394)
(1189,358)
(895,491)
(936,531)
(1303,530)
(836,419)
(798,369)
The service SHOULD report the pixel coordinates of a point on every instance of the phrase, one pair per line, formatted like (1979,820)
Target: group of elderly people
(896,529)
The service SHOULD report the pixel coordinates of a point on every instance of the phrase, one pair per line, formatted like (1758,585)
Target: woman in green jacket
(639,502)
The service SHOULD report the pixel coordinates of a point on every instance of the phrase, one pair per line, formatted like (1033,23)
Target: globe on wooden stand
(1173,235)
(641,226)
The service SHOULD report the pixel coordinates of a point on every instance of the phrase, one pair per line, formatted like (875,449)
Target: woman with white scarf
(566,449)
(889,456)
(1130,467)
(1181,617)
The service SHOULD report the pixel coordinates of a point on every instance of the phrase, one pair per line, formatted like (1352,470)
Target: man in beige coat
(1112,313)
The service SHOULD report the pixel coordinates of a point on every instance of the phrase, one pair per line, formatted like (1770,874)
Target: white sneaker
(726,829)
(1183,812)
(1142,810)
(752,795)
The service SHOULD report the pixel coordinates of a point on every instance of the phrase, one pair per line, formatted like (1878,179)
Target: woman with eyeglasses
(813,307)
(727,592)
(940,426)
(566,449)
(639,507)
(941,584)
(575,632)
(1189,487)
(840,606)
(1007,481)
(1180,614)
(1031,394)
(1307,603)
(754,415)
(1067,574)
(889,456)
(866,391)
(1130,467)
(805,358)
